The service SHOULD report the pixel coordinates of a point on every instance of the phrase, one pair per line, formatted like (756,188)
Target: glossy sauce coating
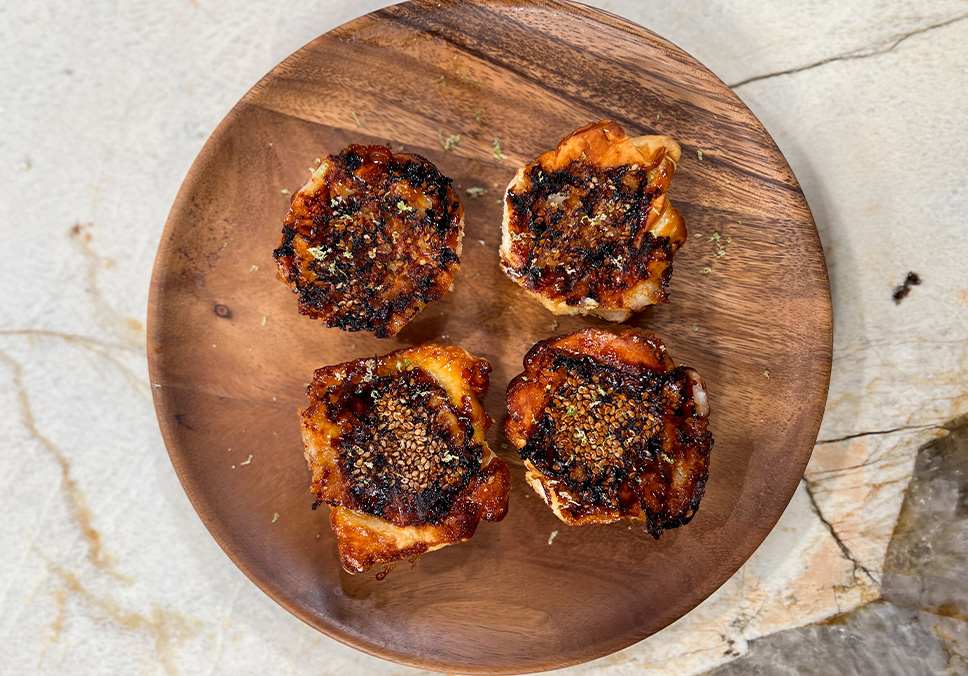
(396,447)
(589,225)
(609,428)
(371,239)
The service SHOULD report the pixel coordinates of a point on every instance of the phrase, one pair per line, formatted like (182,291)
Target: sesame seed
(397,441)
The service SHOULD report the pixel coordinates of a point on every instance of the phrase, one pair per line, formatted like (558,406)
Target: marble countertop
(107,569)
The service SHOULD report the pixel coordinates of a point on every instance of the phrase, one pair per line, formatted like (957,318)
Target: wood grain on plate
(229,356)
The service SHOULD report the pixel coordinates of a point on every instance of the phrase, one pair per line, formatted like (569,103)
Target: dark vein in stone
(851,56)
(874,433)
(833,533)
(817,474)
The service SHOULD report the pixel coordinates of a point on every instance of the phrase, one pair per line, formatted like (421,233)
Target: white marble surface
(106,568)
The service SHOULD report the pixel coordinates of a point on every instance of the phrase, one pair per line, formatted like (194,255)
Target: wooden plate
(230,357)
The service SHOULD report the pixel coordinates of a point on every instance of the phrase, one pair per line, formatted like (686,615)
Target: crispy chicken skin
(396,447)
(589,228)
(609,428)
(371,239)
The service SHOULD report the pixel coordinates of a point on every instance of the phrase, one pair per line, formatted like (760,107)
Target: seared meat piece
(588,227)
(396,447)
(609,428)
(371,239)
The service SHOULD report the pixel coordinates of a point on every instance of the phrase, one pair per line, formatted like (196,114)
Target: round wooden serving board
(230,356)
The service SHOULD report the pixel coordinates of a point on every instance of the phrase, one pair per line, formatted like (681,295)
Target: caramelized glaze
(396,448)
(609,428)
(371,239)
(589,227)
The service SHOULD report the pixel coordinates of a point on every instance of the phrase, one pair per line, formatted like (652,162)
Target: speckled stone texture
(107,569)
(878,638)
(920,625)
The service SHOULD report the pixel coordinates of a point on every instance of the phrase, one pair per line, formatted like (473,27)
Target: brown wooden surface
(506,601)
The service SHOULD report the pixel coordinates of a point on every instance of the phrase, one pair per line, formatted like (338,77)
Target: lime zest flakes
(448,143)
(403,207)
(719,245)
(318,252)
(356,118)
(496,147)
(699,154)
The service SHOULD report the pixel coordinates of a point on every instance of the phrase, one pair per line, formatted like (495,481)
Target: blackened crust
(371,239)
(597,247)
(396,447)
(589,227)
(609,428)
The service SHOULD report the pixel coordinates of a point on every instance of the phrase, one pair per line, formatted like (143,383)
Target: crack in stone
(857,435)
(853,55)
(922,567)
(76,500)
(844,549)
(849,468)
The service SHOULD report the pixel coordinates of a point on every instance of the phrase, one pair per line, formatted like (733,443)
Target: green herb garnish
(450,142)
